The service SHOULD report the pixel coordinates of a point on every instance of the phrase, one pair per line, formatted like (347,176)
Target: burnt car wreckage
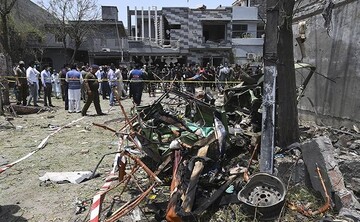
(183,156)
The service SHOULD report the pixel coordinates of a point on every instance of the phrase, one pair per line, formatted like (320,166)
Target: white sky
(122,5)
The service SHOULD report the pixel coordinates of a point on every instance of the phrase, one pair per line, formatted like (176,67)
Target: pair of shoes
(83,114)
(71,111)
(101,114)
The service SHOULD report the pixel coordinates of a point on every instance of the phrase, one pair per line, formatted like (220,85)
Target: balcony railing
(244,35)
(160,43)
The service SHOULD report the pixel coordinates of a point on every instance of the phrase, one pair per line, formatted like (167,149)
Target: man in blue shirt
(74,80)
(136,78)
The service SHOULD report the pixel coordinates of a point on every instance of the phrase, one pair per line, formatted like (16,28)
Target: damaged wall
(336,55)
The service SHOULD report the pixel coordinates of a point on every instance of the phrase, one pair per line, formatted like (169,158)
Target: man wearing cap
(21,83)
(91,84)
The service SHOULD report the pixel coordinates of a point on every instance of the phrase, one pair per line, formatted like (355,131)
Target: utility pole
(269,87)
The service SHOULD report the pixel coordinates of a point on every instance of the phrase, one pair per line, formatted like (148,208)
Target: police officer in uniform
(91,84)
(21,83)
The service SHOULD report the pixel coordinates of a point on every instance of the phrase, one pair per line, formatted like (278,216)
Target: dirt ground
(78,147)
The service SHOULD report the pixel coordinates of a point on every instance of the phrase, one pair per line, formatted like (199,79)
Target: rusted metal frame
(127,180)
(122,108)
(138,164)
(130,206)
(301,209)
(246,173)
(121,164)
(123,206)
(326,206)
(137,184)
(143,165)
(104,127)
(130,135)
(126,177)
(136,159)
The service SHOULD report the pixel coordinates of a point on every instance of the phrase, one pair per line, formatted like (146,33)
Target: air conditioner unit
(250,56)
(105,50)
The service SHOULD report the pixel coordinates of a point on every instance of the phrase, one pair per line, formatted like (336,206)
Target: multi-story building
(201,36)
(227,34)
(247,35)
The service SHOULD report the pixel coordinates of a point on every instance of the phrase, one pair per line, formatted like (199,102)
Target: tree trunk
(4,85)
(77,47)
(287,115)
(5,35)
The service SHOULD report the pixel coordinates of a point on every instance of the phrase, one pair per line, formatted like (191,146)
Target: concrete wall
(245,13)
(336,56)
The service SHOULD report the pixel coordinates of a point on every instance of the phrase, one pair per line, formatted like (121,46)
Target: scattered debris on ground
(197,159)
(188,157)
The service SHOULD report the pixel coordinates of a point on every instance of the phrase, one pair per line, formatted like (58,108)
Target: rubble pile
(182,159)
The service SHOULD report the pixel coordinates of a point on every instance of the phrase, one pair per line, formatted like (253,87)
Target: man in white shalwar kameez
(74,79)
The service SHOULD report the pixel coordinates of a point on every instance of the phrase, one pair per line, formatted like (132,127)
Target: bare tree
(73,17)
(5,10)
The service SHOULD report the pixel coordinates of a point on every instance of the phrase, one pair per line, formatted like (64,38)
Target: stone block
(320,152)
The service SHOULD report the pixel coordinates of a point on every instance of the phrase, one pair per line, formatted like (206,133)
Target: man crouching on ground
(91,84)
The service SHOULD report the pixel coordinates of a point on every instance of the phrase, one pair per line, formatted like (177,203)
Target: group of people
(105,80)
(74,83)
(29,81)
(194,75)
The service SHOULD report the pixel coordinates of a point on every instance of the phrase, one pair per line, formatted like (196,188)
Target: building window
(240,31)
(175,26)
(260,30)
(214,33)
